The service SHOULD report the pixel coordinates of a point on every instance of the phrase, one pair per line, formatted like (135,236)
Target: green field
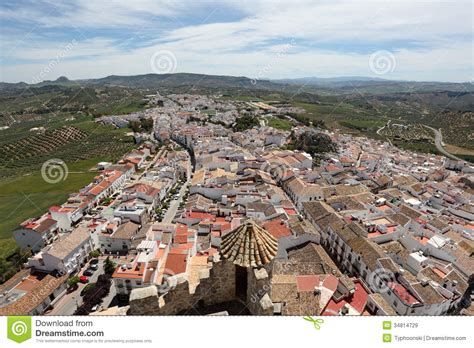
(363,125)
(23,192)
(28,196)
(280,123)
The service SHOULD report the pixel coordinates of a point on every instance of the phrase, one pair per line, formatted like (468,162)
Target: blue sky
(418,39)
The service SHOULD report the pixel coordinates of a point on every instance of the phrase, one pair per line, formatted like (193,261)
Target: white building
(68,254)
(145,269)
(118,238)
(35,234)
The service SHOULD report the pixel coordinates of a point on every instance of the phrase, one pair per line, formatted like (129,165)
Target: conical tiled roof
(249,245)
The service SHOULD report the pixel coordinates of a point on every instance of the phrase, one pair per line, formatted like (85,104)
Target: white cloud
(426,64)
(430,39)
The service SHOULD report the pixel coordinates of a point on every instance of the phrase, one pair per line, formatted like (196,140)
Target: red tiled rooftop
(423,240)
(181,238)
(383,207)
(358,301)
(403,293)
(181,229)
(439,272)
(331,282)
(332,167)
(307,282)
(175,264)
(30,282)
(198,215)
(277,228)
(185,246)
(135,272)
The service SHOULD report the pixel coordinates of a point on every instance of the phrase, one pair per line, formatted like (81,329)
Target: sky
(422,40)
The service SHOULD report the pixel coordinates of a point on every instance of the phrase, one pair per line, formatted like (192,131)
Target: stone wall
(258,287)
(217,285)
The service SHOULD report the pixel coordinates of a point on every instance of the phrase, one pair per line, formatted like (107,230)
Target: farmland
(23,192)
(23,150)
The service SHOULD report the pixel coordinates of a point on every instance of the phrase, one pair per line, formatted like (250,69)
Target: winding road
(439,144)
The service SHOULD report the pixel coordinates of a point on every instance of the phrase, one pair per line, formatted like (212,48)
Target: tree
(72,281)
(134,125)
(94,253)
(245,122)
(10,265)
(313,143)
(88,288)
(109,266)
(147,124)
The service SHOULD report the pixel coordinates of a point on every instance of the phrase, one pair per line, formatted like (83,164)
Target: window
(395,303)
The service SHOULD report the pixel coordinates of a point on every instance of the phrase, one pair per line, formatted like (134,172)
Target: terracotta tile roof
(307,282)
(249,245)
(277,228)
(35,296)
(45,225)
(126,230)
(175,263)
(357,301)
(65,246)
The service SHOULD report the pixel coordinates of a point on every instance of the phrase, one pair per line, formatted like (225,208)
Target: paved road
(439,144)
(68,304)
(385,125)
(158,155)
(171,212)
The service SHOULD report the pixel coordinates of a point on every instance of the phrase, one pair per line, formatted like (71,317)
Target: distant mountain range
(333,85)
(156,80)
(377,85)
(314,79)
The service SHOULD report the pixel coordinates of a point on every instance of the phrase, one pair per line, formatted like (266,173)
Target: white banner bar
(236,331)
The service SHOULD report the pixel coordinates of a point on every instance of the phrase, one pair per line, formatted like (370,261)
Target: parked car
(88,272)
(94,266)
(94,261)
(83,279)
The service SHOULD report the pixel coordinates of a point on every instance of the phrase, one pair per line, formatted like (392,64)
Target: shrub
(94,254)
(109,266)
(72,281)
(87,289)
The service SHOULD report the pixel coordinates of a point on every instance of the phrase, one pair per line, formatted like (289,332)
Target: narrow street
(174,204)
(68,304)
